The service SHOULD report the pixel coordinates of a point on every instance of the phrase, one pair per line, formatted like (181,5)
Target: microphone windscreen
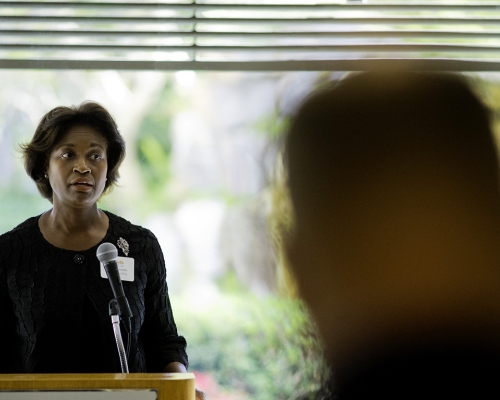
(106,253)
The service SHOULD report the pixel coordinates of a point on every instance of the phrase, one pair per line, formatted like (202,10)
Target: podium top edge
(100,377)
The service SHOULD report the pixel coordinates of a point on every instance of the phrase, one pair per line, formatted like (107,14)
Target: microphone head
(106,253)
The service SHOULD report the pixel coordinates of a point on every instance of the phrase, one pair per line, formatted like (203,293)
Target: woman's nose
(81,166)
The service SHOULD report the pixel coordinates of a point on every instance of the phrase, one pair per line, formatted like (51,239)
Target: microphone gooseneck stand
(119,308)
(115,320)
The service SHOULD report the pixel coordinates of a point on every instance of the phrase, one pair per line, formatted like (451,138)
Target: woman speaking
(54,300)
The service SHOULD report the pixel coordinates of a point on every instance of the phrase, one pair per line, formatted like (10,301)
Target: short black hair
(55,124)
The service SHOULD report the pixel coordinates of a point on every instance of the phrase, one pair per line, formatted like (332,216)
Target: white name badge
(125,267)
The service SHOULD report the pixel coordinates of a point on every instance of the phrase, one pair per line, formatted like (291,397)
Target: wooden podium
(167,386)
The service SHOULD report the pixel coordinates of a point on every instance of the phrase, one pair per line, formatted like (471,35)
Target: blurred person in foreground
(395,188)
(54,303)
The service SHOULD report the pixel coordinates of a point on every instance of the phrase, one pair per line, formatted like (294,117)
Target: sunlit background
(203,173)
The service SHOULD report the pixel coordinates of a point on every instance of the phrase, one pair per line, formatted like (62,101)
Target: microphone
(107,254)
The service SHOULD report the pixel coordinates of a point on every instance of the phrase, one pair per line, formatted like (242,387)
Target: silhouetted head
(351,133)
(394,183)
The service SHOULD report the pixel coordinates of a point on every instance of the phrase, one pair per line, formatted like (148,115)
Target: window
(260,35)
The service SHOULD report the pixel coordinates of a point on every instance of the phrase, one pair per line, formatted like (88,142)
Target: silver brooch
(123,245)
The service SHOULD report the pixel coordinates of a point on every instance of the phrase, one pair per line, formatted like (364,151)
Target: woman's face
(77,168)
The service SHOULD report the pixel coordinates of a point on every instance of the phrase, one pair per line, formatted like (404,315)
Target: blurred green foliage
(273,125)
(17,205)
(265,347)
(153,145)
(489,91)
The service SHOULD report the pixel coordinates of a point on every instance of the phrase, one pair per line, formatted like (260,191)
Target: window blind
(260,35)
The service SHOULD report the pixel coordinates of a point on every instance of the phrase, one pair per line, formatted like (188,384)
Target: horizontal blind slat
(290,65)
(404,6)
(253,48)
(242,34)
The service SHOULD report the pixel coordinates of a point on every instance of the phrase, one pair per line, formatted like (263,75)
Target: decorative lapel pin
(123,245)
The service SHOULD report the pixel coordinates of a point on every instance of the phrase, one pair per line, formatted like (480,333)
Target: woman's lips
(82,186)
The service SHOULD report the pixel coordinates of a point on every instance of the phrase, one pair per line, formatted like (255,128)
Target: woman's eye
(95,157)
(67,155)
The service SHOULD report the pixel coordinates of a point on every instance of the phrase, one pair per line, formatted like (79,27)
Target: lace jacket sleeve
(159,335)
(8,337)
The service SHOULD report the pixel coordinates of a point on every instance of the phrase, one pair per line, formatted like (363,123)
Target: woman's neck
(75,229)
